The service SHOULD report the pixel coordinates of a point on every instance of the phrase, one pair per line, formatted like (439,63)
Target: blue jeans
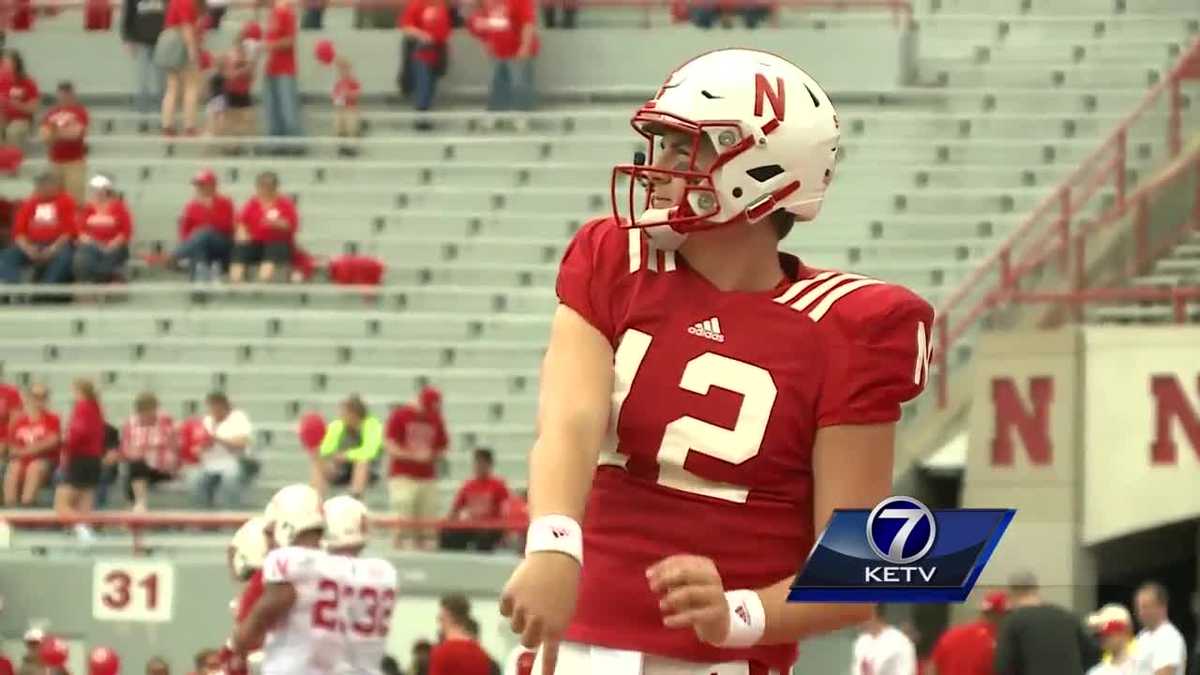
(149,80)
(512,85)
(203,249)
(210,483)
(424,84)
(94,265)
(57,270)
(281,99)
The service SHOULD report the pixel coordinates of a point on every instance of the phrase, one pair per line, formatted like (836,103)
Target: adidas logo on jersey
(710,329)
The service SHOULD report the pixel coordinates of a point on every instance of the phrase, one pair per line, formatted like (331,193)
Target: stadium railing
(1059,227)
(138,525)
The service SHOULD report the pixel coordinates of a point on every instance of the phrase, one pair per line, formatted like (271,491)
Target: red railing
(1062,221)
(138,524)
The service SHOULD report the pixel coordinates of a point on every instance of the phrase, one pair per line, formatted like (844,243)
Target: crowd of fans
(83,456)
(1020,633)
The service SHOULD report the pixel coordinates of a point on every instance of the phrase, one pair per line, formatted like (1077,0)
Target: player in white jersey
(368,587)
(297,619)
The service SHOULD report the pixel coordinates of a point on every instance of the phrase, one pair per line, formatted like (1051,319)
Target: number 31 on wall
(132,591)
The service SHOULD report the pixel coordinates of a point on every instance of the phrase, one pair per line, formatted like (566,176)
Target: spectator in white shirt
(1161,650)
(224,462)
(1113,627)
(883,649)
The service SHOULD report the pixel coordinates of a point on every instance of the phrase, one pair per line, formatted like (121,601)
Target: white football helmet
(248,548)
(345,522)
(294,509)
(774,131)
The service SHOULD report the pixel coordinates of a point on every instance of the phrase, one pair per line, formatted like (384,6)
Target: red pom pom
(324,52)
(251,30)
(312,431)
(53,651)
(103,661)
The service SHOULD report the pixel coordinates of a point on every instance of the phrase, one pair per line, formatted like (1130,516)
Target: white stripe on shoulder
(816,293)
(842,291)
(635,250)
(798,287)
(669,261)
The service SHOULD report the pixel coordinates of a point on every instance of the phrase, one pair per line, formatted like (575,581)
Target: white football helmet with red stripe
(294,509)
(345,522)
(775,135)
(248,548)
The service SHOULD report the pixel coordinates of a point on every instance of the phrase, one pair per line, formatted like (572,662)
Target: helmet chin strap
(664,237)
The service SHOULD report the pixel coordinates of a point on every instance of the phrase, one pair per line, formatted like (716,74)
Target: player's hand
(691,594)
(539,600)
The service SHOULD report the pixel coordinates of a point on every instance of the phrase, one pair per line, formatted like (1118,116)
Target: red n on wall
(1031,423)
(1171,403)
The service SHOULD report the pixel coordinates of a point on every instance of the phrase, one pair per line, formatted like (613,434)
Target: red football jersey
(717,399)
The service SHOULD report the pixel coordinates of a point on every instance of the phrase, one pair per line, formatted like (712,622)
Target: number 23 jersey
(717,398)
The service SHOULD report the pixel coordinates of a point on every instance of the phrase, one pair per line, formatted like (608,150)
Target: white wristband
(747,619)
(555,533)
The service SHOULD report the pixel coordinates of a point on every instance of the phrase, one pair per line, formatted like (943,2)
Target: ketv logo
(900,551)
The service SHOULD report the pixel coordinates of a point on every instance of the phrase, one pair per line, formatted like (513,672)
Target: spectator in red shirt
(345,103)
(480,498)
(458,653)
(18,99)
(177,52)
(83,449)
(509,30)
(64,130)
(10,406)
(43,235)
(150,446)
(428,23)
(415,437)
(205,230)
(969,649)
(266,231)
(237,74)
(34,437)
(105,229)
(281,96)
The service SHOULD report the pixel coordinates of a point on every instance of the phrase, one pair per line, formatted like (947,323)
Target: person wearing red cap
(970,648)
(1113,627)
(415,437)
(205,230)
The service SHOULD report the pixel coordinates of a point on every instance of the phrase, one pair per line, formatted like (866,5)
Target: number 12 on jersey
(688,434)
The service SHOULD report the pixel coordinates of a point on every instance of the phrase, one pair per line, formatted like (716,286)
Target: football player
(707,401)
(368,587)
(297,620)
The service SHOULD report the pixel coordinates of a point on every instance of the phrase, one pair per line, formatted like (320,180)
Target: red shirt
(106,223)
(157,444)
(10,407)
(410,426)
(67,150)
(499,23)
(716,430)
(180,13)
(966,650)
(431,16)
(42,220)
(19,91)
(481,498)
(255,215)
(85,432)
(26,431)
(345,92)
(280,25)
(217,214)
(456,656)
(239,79)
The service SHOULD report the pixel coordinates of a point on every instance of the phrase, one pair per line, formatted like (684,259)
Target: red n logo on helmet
(762,89)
